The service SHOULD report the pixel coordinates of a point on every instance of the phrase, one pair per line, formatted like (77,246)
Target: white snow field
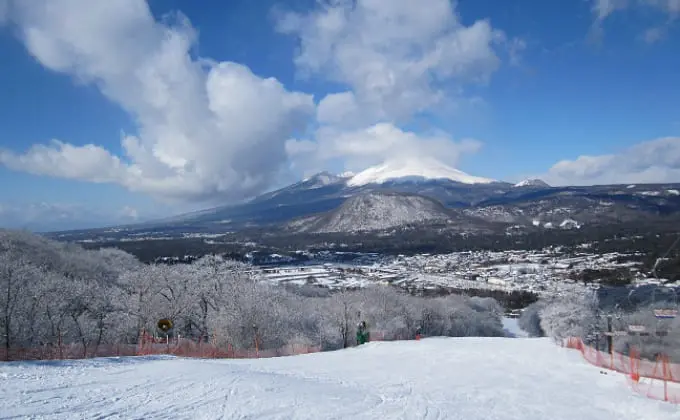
(435,378)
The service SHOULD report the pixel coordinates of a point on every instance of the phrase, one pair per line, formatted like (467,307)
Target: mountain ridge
(495,202)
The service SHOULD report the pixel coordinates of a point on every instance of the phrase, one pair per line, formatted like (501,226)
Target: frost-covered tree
(54,294)
(662,335)
(530,320)
(573,315)
(340,318)
(18,298)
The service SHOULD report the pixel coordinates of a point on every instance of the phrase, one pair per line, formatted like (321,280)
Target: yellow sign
(164,324)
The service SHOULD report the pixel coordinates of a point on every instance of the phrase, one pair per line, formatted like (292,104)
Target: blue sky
(229,99)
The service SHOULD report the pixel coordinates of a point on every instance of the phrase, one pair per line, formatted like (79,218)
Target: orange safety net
(657,379)
(183,347)
(189,348)
(149,345)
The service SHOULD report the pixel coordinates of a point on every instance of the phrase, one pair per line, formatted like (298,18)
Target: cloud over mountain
(395,59)
(202,126)
(211,130)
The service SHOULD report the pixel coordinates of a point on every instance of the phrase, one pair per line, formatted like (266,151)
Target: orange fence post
(664,360)
(634,365)
(636,368)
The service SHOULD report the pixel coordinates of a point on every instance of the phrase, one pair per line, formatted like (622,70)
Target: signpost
(165,325)
(615,333)
(665,313)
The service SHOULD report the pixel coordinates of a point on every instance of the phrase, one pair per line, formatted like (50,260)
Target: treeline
(615,277)
(586,317)
(53,293)
(516,299)
(651,240)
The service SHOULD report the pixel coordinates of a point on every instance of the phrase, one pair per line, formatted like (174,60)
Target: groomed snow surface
(434,378)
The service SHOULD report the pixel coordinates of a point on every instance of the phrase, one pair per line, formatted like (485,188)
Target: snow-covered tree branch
(54,294)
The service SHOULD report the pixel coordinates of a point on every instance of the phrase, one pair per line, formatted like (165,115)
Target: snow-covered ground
(448,378)
(550,272)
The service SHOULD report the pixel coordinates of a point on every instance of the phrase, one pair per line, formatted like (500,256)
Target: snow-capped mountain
(321,180)
(473,202)
(532,182)
(413,170)
(375,211)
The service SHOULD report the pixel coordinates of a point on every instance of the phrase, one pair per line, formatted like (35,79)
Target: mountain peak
(321,179)
(532,182)
(421,169)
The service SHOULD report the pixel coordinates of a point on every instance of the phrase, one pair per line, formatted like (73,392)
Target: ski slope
(436,378)
(512,329)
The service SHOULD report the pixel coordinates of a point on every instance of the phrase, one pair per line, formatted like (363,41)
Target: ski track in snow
(434,378)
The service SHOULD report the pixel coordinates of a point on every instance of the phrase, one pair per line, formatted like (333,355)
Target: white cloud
(647,162)
(394,55)
(205,129)
(368,146)
(43,216)
(669,6)
(129,213)
(342,109)
(4,10)
(602,9)
(655,34)
(397,58)
(208,130)
(59,159)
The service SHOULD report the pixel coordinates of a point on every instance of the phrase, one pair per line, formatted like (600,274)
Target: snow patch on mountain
(321,179)
(375,211)
(531,182)
(570,224)
(423,169)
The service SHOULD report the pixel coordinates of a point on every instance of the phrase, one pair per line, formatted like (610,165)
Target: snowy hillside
(375,211)
(413,170)
(437,378)
(531,182)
